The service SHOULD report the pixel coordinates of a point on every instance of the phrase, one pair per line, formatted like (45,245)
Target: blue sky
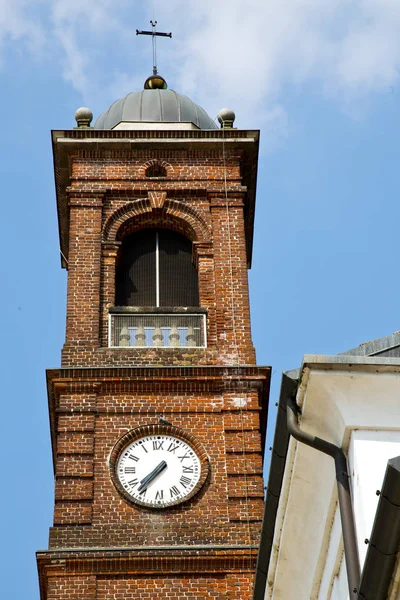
(322,84)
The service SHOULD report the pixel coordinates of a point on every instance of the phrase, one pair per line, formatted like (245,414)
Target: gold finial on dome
(155,82)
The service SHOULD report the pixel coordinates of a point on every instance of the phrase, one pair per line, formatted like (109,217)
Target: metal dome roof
(155,105)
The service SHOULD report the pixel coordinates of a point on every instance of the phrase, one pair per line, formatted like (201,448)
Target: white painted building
(353,402)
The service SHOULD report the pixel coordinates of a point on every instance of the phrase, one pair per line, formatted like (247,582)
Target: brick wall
(110,197)
(87,426)
(101,393)
(193,587)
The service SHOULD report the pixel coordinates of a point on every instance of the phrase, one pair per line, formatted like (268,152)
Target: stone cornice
(199,187)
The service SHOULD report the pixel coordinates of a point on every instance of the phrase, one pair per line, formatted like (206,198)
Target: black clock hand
(146,480)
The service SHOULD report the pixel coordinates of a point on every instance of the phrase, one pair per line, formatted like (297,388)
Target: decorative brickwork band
(220,199)
(197,572)
(85,200)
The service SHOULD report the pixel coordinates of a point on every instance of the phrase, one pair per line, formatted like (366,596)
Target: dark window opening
(156,269)
(156,170)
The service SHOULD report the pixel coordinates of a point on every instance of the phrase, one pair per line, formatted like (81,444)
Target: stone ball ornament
(226,117)
(83,116)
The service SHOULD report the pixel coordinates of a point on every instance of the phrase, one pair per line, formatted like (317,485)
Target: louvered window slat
(136,274)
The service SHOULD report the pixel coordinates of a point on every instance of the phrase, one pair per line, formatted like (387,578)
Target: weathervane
(154,35)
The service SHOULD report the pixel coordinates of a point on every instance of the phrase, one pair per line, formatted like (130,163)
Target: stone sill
(157,310)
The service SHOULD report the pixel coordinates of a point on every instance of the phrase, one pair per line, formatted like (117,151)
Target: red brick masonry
(102,548)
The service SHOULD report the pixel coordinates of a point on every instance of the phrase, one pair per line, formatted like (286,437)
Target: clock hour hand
(146,480)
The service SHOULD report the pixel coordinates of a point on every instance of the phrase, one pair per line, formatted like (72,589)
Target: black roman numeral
(187,469)
(134,482)
(143,492)
(160,495)
(133,457)
(144,448)
(174,491)
(172,448)
(130,469)
(158,445)
(182,458)
(184,481)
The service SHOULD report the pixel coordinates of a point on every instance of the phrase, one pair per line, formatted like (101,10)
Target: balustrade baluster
(158,336)
(190,337)
(124,336)
(140,337)
(174,337)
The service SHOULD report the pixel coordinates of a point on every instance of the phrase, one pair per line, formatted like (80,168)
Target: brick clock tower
(158,411)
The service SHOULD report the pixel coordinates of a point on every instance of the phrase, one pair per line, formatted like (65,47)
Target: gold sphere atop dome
(155,82)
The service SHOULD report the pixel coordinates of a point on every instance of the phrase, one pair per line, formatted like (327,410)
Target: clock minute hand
(146,480)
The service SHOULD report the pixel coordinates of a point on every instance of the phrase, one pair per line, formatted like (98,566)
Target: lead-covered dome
(155,105)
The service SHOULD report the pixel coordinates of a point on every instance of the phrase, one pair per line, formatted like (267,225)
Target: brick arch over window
(156,163)
(174,214)
(155,220)
(155,171)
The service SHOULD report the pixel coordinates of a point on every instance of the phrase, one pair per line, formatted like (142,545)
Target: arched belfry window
(156,170)
(156,269)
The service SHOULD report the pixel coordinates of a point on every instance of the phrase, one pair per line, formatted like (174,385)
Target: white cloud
(18,23)
(223,52)
(81,29)
(249,52)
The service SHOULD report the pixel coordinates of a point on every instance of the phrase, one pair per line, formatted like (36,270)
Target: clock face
(158,469)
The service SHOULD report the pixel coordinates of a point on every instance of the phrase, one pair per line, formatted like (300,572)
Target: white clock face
(158,470)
